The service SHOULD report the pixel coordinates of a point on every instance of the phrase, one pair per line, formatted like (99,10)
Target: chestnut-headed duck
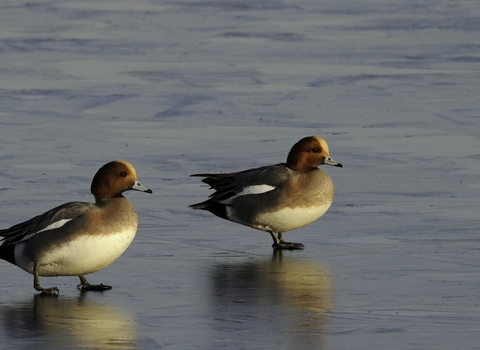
(78,238)
(276,198)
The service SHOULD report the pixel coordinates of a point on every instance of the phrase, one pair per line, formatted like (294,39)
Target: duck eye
(123,174)
(315,149)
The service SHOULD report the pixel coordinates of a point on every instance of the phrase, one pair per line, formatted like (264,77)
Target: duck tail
(213,207)
(7,252)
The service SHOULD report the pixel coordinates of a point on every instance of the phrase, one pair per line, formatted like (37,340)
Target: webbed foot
(84,285)
(51,290)
(279,243)
(288,245)
(36,283)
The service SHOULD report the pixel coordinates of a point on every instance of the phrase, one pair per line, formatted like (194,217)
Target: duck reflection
(284,298)
(58,322)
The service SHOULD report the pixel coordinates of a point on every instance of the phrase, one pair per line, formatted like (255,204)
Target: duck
(276,198)
(78,238)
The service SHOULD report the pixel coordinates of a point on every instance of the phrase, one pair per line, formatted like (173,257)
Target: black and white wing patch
(52,219)
(253,181)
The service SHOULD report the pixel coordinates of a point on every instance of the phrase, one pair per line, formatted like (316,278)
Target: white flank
(81,256)
(256,189)
(289,219)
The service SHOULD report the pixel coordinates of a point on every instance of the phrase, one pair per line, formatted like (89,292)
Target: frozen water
(182,87)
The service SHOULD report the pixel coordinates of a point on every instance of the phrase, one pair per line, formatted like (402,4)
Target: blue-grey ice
(195,86)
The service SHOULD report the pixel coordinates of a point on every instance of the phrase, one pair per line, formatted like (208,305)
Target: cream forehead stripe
(322,143)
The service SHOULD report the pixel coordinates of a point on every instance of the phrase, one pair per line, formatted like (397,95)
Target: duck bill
(330,161)
(137,186)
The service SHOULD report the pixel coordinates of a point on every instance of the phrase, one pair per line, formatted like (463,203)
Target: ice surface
(182,87)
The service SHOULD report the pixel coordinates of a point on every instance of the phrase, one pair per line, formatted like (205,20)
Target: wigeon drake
(78,238)
(276,198)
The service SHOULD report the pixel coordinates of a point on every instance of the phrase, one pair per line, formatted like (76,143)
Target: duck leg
(84,285)
(279,243)
(36,283)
